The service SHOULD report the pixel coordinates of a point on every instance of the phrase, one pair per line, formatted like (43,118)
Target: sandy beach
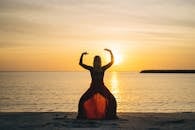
(66,120)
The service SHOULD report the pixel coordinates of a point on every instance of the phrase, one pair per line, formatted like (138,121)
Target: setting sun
(117,57)
(117,52)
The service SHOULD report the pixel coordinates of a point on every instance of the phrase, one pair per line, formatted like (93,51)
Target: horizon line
(86,71)
(56,71)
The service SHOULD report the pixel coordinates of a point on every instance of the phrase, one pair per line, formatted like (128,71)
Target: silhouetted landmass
(167,71)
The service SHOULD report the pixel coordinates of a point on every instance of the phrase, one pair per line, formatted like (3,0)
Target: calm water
(60,91)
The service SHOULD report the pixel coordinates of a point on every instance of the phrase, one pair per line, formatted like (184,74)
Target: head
(97,62)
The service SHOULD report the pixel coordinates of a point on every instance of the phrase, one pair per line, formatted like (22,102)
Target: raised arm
(111,62)
(81,62)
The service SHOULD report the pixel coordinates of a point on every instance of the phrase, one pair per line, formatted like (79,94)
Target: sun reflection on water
(115,86)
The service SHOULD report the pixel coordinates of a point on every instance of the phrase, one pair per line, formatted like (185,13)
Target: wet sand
(67,120)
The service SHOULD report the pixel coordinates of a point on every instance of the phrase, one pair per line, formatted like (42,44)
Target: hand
(107,50)
(84,53)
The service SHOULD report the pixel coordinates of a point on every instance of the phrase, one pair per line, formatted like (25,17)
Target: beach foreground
(67,120)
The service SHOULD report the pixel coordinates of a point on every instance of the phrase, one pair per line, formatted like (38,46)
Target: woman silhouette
(97,102)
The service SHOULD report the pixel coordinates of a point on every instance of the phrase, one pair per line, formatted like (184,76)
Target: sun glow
(118,58)
(115,86)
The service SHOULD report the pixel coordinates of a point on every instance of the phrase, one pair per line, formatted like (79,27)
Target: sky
(50,35)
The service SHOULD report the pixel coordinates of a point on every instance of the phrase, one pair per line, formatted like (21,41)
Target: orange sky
(50,35)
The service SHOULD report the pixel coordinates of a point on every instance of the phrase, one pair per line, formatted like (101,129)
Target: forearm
(83,65)
(81,60)
(112,58)
(110,63)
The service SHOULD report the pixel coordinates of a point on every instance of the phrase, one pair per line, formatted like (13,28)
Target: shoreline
(67,120)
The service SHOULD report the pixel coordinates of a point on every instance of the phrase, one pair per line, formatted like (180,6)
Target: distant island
(167,71)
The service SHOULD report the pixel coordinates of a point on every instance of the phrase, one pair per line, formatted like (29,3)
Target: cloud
(21,5)
(8,44)
(87,19)
(18,25)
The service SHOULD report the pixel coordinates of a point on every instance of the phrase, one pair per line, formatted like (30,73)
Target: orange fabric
(95,107)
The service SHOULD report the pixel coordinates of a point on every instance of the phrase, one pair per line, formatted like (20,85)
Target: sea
(61,91)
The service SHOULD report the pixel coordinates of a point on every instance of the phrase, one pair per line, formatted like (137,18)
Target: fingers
(85,53)
(106,49)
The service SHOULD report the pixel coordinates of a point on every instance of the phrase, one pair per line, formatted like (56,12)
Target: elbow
(112,62)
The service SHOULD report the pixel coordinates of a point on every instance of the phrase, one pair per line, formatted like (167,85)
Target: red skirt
(97,103)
